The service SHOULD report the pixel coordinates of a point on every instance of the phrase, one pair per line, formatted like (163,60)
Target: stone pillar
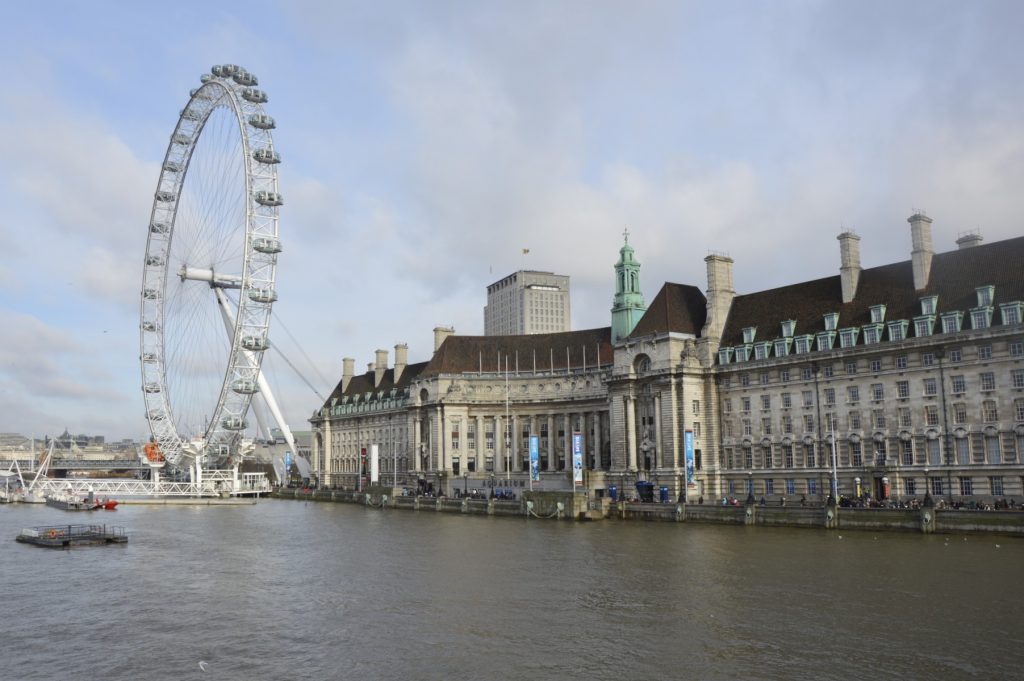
(658,446)
(630,435)
(417,440)
(480,444)
(597,441)
(499,445)
(439,448)
(552,464)
(513,454)
(567,440)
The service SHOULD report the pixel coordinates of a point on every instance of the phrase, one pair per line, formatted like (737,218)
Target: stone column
(499,444)
(480,444)
(417,439)
(658,446)
(597,440)
(630,435)
(552,465)
(439,448)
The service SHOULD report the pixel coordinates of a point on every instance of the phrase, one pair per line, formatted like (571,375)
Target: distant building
(891,382)
(527,302)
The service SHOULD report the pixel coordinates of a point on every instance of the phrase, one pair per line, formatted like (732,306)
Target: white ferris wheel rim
(217,238)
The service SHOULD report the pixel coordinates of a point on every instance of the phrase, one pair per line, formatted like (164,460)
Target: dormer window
(803,344)
(981,317)
(872,333)
(929,304)
(782,346)
(1011,312)
(877,314)
(761,350)
(749,333)
(923,325)
(741,353)
(826,339)
(985,295)
(897,330)
(848,337)
(788,327)
(724,354)
(951,321)
(831,321)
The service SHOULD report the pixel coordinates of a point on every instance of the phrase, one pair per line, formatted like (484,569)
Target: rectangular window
(830,396)
(1011,313)
(931,415)
(812,486)
(959,385)
(764,378)
(985,352)
(787,401)
(748,458)
(906,419)
(937,486)
(696,430)
(962,446)
(744,379)
(995,483)
(980,318)
(806,373)
(1018,408)
(855,453)
(847,338)
(877,392)
(903,389)
(988,381)
(876,366)
(955,356)
(809,455)
(696,407)
(870,335)
(790,486)
(992,452)
(851,368)
(748,428)
(1017,378)
(950,323)
(934,457)
(803,345)
(727,405)
(766,426)
(1017,349)
(909,487)
(809,422)
(966,487)
(760,351)
(852,394)
(854,420)
(959,413)
(766,402)
(923,327)
(746,403)
(808,398)
(828,371)
(928,359)
(901,361)
(907,452)
(784,375)
(897,330)
(989,411)
(931,387)
(878,416)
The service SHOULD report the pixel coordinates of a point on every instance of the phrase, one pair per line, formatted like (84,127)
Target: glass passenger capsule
(262,295)
(154,261)
(243,77)
(164,196)
(151,294)
(262,122)
(268,198)
(152,387)
(268,156)
(255,343)
(254,95)
(149,357)
(244,386)
(159,228)
(182,139)
(155,415)
(149,326)
(233,423)
(172,166)
(267,244)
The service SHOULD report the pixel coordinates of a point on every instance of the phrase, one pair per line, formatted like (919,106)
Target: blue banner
(691,477)
(577,459)
(534,457)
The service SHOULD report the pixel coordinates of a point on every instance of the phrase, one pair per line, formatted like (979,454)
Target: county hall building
(888,382)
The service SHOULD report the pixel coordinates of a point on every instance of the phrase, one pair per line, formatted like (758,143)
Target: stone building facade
(887,382)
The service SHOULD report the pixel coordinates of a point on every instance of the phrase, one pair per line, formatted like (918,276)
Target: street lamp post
(750,487)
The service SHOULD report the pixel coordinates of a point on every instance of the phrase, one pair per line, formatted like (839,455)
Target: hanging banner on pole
(577,459)
(691,477)
(374,464)
(534,457)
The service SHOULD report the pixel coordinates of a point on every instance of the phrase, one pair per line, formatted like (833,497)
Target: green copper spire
(628,304)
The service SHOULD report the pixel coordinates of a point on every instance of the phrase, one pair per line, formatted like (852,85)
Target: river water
(299,590)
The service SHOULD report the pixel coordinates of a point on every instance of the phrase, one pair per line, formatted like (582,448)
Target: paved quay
(566,505)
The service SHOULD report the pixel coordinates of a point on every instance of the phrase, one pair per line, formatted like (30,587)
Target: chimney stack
(401,360)
(348,367)
(921,238)
(849,263)
(969,240)
(440,333)
(720,294)
(380,366)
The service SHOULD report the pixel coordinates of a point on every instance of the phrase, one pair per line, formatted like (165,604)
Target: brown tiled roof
(363,383)
(677,307)
(545,351)
(954,277)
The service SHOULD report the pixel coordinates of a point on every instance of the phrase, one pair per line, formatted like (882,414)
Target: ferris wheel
(208,282)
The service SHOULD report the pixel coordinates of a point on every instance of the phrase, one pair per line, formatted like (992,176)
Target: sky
(425,144)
